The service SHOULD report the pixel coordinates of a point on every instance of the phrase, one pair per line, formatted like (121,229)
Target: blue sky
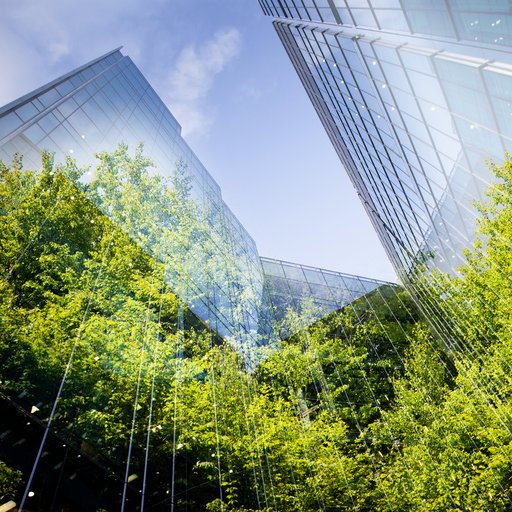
(219,66)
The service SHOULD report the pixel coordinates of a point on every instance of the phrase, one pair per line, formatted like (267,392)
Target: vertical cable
(136,400)
(177,368)
(63,380)
(152,397)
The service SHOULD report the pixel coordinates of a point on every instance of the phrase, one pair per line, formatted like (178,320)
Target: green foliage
(446,441)
(10,480)
(364,410)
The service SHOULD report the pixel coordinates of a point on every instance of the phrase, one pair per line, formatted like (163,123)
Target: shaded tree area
(80,298)
(450,428)
(364,410)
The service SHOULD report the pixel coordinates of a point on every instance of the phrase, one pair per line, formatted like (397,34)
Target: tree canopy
(364,410)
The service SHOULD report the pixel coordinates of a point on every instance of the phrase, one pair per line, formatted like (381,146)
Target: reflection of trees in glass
(363,410)
(77,283)
(207,262)
(74,279)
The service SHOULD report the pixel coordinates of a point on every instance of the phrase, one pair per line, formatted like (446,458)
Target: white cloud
(193,77)
(41,41)
(58,49)
(250,91)
(193,118)
(59,29)
(22,65)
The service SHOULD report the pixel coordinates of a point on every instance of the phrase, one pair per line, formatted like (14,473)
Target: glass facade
(485,21)
(108,102)
(416,99)
(123,273)
(293,287)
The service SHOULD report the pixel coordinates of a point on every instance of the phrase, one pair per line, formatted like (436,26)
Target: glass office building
(416,98)
(294,287)
(219,274)
(172,231)
(108,102)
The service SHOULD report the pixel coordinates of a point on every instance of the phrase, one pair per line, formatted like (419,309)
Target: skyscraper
(415,96)
(107,102)
(144,232)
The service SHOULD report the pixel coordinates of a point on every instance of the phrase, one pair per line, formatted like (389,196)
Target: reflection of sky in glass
(107,102)
(293,286)
(483,22)
(413,113)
